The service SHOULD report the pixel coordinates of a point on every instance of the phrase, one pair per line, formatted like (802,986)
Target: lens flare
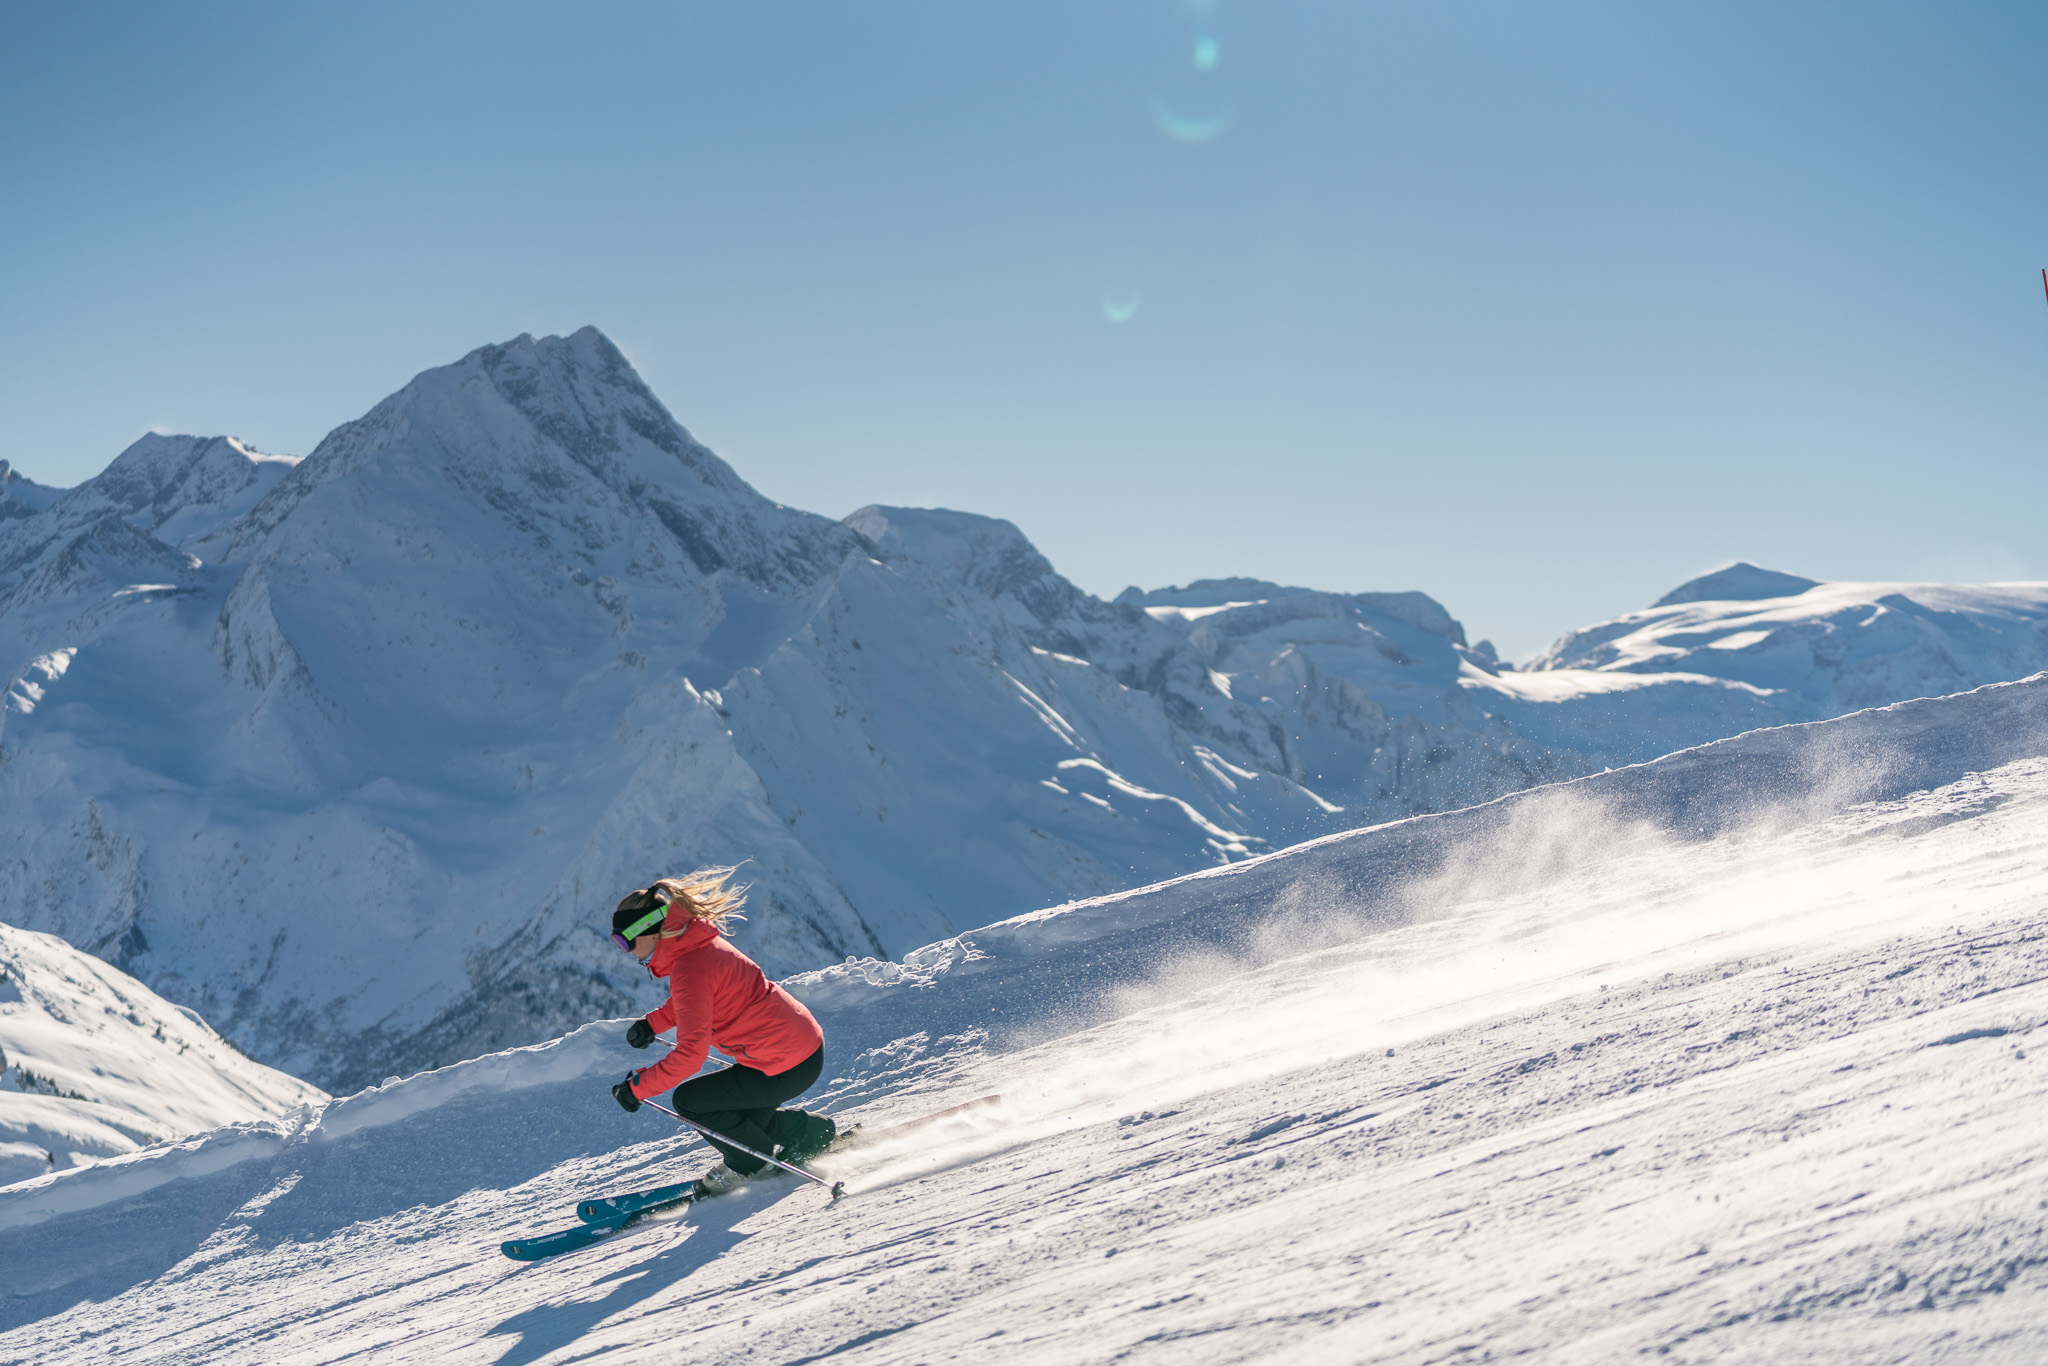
(1119,308)
(1208,52)
(1192,129)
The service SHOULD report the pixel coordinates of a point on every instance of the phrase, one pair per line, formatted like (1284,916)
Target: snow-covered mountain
(1726,1057)
(352,753)
(1822,649)
(94,1064)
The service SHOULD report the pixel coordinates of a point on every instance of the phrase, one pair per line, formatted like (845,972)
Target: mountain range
(354,752)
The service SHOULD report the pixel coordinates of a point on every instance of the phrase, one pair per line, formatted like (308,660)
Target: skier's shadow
(547,1327)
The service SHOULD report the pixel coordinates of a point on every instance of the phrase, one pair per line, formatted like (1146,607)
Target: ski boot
(720,1180)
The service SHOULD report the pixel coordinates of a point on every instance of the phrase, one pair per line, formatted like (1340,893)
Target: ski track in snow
(1603,1093)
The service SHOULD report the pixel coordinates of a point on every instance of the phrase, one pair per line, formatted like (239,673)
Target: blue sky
(1540,309)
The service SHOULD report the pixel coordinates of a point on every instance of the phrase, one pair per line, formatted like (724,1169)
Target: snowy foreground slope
(94,1064)
(351,752)
(1728,1057)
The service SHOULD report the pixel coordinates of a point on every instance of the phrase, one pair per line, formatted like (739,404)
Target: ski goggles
(624,938)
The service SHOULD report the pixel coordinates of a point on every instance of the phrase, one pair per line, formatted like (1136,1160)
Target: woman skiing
(718,996)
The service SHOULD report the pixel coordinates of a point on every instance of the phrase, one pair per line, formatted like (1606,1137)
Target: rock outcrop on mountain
(21,496)
(354,752)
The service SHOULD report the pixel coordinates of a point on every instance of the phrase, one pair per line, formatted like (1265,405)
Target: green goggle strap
(645,923)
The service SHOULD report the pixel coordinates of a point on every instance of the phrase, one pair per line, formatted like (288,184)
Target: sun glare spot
(1191,128)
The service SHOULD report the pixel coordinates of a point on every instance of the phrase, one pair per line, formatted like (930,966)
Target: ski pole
(838,1188)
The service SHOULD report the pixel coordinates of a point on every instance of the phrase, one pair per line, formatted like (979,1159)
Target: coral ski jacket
(716,995)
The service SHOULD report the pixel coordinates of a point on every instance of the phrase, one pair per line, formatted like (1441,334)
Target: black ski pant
(740,1102)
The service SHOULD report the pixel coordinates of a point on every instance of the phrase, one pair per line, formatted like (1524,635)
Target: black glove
(623,1093)
(640,1034)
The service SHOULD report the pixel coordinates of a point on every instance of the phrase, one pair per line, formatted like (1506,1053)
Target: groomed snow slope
(1726,1057)
(94,1064)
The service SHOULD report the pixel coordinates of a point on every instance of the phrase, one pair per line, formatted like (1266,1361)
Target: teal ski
(584,1235)
(619,1206)
(610,1215)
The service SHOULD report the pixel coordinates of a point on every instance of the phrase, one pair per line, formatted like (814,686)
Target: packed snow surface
(94,1064)
(352,753)
(1726,1057)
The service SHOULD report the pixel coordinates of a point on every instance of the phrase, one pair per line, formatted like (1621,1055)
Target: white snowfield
(1821,649)
(93,1064)
(1726,1057)
(352,753)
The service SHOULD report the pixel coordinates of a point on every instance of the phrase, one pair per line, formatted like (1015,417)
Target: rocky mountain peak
(582,393)
(559,442)
(172,495)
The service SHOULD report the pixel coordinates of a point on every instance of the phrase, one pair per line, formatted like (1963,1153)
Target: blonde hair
(703,895)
